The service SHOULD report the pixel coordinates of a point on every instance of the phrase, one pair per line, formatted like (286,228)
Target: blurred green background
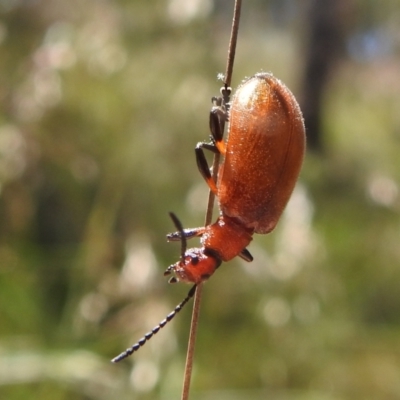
(102,103)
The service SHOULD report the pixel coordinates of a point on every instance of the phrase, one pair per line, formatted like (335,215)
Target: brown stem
(209,212)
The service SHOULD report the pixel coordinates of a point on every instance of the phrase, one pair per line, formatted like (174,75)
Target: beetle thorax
(226,237)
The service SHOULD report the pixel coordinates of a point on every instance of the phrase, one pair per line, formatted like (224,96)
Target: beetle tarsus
(188,233)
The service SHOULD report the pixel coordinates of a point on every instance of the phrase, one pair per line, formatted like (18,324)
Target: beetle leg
(245,255)
(188,233)
(208,146)
(204,169)
(217,125)
(218,117)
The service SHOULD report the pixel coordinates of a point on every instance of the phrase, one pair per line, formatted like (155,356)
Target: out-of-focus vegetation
(102,103)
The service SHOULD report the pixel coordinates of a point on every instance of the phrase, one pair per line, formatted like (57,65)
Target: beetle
(263,155)
(262,158)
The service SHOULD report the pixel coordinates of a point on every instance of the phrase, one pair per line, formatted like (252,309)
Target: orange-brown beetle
(262,160)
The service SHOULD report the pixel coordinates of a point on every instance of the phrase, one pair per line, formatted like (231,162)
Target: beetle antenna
(179,227)
(150,334)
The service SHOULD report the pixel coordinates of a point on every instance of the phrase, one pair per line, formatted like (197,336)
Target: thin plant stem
(232,43)
(209,212)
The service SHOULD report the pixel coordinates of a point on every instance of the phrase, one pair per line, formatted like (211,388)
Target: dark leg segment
(245,255)
(204,169)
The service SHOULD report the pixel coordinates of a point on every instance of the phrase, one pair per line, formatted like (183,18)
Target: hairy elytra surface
(264,153)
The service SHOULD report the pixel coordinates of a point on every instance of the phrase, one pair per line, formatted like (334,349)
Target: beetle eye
(195,260)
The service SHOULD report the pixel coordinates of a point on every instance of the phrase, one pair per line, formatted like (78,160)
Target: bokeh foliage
(102,103)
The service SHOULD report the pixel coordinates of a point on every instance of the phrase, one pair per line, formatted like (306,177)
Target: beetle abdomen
(264,153)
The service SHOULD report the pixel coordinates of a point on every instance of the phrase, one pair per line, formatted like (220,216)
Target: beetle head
(196,265)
